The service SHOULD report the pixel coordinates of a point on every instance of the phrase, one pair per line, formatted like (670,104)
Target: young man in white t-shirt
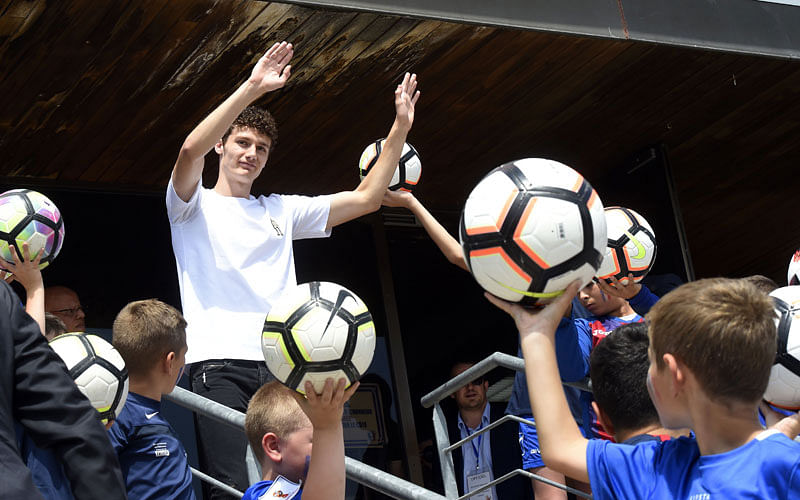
(234,250)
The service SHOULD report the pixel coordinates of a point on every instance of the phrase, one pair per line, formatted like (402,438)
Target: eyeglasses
(72,311)
(478,381)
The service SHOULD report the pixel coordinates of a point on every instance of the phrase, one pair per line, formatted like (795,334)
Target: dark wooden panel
(102,93)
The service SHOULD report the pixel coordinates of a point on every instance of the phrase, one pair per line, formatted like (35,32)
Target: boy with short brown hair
(281,426)
(713,343)
(151,337)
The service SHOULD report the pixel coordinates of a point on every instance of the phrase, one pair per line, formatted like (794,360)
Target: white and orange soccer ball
(530,227)
(315,331)
(793,274)
(631,246)
(783,389)
(98,370)
(406,174)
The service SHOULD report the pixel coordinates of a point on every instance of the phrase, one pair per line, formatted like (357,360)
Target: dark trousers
(221,448)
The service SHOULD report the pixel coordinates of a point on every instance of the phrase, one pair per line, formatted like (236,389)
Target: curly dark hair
(257,119)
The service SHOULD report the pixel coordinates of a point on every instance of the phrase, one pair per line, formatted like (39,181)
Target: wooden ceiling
(100,94)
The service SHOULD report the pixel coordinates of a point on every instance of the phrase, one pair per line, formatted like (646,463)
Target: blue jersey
(152,457)
(285,489)
(520,404)
(46,471)
(766,467)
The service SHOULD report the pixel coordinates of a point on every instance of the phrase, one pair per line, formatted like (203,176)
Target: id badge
(281,488)
(476,481)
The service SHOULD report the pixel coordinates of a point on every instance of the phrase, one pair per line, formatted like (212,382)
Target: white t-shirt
(234,259)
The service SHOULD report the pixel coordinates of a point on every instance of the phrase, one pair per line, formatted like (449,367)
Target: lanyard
(476,449)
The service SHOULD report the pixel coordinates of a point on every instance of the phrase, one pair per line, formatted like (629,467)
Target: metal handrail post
(495,360)
(212,409)
(216,482)
(361,473)
(445,454)
(376,479)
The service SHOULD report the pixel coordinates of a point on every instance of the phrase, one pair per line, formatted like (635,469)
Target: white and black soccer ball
(631,246)
(98,370)
(793,274)
(315,331)
(530,227)
(408,171)
(783,389)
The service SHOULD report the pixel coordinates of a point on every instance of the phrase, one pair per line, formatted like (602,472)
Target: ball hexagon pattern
(529,228)
(29,216)
(407,173)
(783,389)
(631,247)
(98,370)
(315,331)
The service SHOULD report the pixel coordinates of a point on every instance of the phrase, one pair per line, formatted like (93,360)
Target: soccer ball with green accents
(315,331)
(28,216)
(98,370)
(631,246)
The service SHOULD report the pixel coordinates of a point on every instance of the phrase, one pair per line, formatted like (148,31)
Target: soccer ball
(408,170)
(631,246)
(783,389)
(98,371)
(29,216)
(315,331)
(531,227)
(793,275)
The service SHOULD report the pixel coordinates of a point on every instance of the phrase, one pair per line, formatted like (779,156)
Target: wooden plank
(228,71)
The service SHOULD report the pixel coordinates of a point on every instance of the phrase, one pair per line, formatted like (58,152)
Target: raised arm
(26,272)
(270,73)
(562,444)
(366,198)
(448,245)
(326,478)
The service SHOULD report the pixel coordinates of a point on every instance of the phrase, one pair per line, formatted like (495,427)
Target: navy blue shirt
(152,457)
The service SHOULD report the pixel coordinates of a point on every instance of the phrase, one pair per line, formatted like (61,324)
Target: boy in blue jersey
(618,367)
(282,426)
(712,345)
(151,338)
(610,307)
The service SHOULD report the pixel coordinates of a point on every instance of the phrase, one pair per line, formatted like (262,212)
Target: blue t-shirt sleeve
(573,345)
(794,483)
(620,470)
(643,301)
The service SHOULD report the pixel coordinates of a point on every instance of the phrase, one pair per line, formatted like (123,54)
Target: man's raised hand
(405,98)
(273,69)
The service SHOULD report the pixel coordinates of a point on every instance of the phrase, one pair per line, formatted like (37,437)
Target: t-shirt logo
(276,227)
(160,449)
(280,494)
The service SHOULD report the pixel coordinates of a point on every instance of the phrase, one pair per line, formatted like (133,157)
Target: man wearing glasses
(491,454)
(65,304)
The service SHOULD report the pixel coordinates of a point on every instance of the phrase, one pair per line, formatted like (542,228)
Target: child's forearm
(34,304)
(562,445)
(326,477)
(449,246)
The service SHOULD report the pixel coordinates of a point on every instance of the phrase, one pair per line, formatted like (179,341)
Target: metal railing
(433,398)
(355,470)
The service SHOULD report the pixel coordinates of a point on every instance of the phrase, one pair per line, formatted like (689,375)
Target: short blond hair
(145,331)
(723,330)
(273,408)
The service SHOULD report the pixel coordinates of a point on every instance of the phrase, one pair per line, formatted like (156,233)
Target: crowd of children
(679,392)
